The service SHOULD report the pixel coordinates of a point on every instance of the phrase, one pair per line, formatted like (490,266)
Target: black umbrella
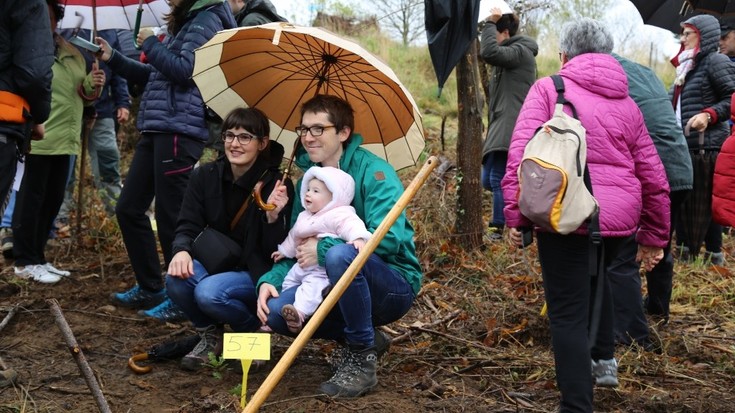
(696,212)
(167,350)
(668,14)
(448,32)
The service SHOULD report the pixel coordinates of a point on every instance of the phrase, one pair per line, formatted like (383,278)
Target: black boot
(355,376)
(338,356)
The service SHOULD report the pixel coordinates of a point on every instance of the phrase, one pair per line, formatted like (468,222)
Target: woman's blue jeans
(212,299)
(493,170)
(377,296)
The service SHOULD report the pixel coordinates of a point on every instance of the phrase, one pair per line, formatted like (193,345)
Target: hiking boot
(37,273)
(714,258)
(6,242)
(494,234)
(210,341)
(605,372)
(167,311)
(338,356)
(8,377)
(137,297)
(53,270)
(356,376)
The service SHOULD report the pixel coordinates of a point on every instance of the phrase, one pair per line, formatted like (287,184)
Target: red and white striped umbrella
(112,14)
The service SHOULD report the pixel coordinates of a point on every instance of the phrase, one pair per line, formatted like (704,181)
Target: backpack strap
(560,99)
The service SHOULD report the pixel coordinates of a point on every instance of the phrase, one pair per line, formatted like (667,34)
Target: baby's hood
(338,182)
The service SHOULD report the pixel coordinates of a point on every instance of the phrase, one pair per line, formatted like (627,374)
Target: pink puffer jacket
(628,179)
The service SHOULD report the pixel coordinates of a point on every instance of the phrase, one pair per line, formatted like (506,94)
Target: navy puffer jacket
(171,102)
(708,86)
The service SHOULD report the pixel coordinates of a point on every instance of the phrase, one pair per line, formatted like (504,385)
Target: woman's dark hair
(508,22)
(176,19)
(58,10)
(251,119)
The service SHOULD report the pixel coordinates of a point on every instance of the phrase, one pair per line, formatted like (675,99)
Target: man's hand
(105,52)
(123,114)
(37,132)
(306,253)
(649,256)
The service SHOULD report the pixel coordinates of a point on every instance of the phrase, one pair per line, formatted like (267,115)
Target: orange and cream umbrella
(278,66)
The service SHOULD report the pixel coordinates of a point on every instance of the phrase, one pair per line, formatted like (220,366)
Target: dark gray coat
(513,73)
(26,57)
(708,86)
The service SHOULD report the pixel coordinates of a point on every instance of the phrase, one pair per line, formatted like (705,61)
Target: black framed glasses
(316,130)
(242,138)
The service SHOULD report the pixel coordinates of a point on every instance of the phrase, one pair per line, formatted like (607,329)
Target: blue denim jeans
(212,299)
(377,296)
(7,220)
(493,170)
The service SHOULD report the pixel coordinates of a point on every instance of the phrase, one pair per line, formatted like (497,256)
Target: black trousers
(36,205)
(570,292)
(8,162)
(160,169)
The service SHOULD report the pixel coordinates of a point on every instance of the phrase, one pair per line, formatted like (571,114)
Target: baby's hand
(358,243)
(276,256)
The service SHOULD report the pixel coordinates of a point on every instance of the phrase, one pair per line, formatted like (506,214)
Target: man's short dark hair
(508,22)
(725,29)
(338,110)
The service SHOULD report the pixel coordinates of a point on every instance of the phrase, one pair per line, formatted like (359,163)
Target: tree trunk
(469,226)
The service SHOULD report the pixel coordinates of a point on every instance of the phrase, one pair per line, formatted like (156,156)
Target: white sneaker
(53,270)
(37,273)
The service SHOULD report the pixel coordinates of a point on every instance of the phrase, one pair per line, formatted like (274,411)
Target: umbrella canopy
(448,32)
(696,211)
(112,14)
(668,14)
(276,67)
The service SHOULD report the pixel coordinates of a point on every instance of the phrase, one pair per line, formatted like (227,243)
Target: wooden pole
(76,352)
(321,313)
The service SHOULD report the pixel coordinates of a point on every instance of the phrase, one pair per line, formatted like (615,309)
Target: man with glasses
(386,286)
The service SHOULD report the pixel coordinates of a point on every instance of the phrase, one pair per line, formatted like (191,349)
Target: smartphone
(84,44)
(527,237)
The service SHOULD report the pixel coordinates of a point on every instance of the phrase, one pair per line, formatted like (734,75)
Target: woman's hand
(279,198)
(105,52)
(144,33)
(495,15)
(649,256)
(516,237)
(98,75)
(181,265)
(265,292)
(306,253)
(699,122)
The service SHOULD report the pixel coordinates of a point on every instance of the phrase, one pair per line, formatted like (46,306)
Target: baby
(326,194)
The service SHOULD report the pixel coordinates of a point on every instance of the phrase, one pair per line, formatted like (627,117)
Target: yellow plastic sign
(247,346)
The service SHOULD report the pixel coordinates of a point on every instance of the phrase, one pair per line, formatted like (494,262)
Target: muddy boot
(356,376)
(210,342)
(7,377)
(339,354)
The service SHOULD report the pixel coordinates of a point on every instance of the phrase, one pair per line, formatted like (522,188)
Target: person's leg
(174,157)
(630,324)
(105,159)
(135,226)
(181,292)
(487,162)
(7,220)
(8,150)
(564,264)
(53,197)
(229,298)
(309,294)
(29,233)
(497,171)
(659,281)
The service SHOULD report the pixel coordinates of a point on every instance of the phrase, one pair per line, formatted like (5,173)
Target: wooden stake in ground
(329,302)
(76,352)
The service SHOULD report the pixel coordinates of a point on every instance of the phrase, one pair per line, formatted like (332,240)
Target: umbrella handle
(136,368)
(259,199)
(138,18)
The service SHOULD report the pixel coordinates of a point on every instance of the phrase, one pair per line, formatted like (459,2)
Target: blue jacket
(115,93)
(26,57)
(171,102)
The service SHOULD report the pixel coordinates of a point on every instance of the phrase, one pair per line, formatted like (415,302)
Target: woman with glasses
(173,134)
(216,194)
(704,83)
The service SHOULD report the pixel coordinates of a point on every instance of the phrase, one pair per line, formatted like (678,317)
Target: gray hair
(585,35)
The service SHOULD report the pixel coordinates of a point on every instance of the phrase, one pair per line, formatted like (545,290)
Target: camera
(84,44)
